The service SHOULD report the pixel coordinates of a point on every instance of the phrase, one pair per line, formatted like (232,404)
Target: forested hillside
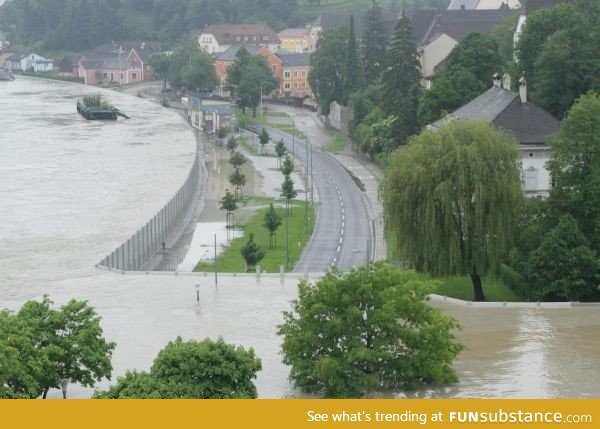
(76,25)
(82,24)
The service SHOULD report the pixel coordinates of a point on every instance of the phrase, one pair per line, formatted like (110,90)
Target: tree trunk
(45,393)
(477,287)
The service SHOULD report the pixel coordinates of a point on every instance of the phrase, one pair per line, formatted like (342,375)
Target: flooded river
(71,191)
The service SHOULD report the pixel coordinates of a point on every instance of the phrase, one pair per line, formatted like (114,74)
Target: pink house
(122,66)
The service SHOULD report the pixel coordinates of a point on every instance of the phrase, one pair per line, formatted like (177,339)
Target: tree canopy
(375,41)
(252,253)
(247,76)
(575,167)
(557,52)
(451,199)
(401,82)
(370,329)
(83,24)
(326,76)
(192,370)
(43,346)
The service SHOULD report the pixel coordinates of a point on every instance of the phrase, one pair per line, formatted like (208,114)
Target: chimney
(438,22)
(497,79)
(523,89)
(506,81)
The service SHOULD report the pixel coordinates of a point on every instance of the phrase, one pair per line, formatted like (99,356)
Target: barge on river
(94,108)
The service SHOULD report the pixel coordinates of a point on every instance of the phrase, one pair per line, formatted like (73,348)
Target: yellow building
(294,40)
(295,75)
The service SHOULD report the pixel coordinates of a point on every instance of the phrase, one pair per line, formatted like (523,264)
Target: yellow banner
(405,414)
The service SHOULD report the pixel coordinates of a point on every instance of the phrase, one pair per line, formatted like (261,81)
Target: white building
(218,38)
(530,125)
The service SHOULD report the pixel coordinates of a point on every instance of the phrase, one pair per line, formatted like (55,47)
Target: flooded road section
(71,191)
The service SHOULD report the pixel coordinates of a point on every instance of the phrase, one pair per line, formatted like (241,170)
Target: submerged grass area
(231,260)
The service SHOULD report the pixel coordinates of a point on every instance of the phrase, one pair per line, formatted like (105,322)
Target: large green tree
(563,267)
(247,76)
(401,82)
(192,370)
(557,52)
(375,40)
(160,66)
(370,329)
(353,75)
(451,199)
(199,72)
(326,75)
(575,167)
(51,345)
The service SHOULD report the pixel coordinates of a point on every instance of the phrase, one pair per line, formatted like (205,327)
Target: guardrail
(147,242)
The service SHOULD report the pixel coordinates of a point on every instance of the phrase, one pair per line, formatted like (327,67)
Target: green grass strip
(231,260)
(243,141)
(338,143)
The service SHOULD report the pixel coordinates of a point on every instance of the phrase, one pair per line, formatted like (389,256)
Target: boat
(6,75)
(92,107)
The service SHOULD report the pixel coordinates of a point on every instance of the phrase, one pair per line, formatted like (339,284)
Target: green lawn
(231,260)
(338,142)
(460,287)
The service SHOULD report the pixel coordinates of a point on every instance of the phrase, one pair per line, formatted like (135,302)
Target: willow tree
(451,198)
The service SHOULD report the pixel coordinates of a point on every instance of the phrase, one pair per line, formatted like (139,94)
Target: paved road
(342,236)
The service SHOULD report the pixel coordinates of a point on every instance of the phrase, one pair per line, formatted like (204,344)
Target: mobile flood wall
(139,251)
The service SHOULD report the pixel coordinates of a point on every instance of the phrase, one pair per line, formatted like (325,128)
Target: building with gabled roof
(294,81)
(483,4)
(529,124)
(294,39)
(436,33)
(218,38)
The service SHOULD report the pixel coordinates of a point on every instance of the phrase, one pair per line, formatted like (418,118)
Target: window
(296,85)
(266,38)
(287,86)
(134,76)
(303,73)
(303,85)
(295,73)
(104,75)
(274,66)
(287,75)
(531,179)
(254,38)
(245,38)
(237,38)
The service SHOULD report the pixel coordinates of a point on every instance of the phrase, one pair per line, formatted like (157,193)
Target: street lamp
(261,98)
(293,135)
(63,386)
